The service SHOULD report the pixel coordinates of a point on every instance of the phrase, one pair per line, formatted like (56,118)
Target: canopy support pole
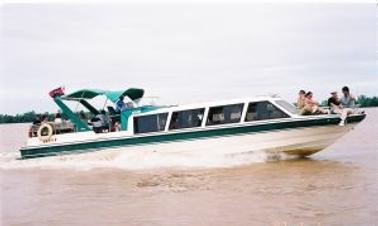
(125,118)
(89,107)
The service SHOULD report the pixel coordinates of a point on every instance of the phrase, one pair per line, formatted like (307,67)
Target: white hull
(301,141)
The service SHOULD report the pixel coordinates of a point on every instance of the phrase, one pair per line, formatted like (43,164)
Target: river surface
(338,186)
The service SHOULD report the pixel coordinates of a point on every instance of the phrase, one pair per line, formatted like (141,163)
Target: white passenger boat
(229,126)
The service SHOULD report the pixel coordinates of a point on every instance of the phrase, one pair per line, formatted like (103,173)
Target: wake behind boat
(266,123)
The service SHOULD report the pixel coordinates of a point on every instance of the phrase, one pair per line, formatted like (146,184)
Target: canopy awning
(132,93)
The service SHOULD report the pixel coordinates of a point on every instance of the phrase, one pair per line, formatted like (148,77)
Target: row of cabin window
(217,115)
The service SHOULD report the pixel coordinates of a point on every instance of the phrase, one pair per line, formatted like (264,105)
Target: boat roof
(132,93)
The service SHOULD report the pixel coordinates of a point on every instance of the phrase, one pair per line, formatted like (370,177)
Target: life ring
(45,132)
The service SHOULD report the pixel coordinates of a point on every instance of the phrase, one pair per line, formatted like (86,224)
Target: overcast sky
(185,53)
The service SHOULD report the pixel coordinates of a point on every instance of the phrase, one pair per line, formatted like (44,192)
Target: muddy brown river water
(338,186)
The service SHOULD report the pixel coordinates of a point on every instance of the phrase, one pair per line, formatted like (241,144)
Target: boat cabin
(216,114)
(141,119)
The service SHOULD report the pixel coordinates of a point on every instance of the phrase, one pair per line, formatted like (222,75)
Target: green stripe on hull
(172,137)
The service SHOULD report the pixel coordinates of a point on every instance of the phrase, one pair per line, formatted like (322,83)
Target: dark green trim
(132,93)
(187,135)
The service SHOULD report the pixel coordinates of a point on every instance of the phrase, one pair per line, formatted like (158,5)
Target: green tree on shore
(362,101)
(23,118)
(365,101)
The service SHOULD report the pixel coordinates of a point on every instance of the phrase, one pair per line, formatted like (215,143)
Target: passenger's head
(334,94)
(345,90)
(302,92)
(121,97)
(308,94)
(103,112)
(45,117)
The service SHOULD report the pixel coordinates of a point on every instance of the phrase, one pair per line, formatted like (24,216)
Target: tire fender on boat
(44,135)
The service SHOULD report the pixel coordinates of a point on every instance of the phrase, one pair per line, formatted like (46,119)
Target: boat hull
(299,142)
(296,137)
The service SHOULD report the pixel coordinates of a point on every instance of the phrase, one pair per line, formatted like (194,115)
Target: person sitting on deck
(101,122)
(336,107)
(58,118)
(312,106)
(116,127)
(348,101)
(301,100)
(45,118)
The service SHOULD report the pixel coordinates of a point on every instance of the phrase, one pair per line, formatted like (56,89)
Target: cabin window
(224,114)
(186,119)
(150,123)
(289,107)
(263,110)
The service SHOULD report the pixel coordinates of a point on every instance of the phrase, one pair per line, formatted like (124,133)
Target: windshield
(289,107)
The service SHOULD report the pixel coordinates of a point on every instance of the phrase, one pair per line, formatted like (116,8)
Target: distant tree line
(21,118)
(30,116)
(365,101)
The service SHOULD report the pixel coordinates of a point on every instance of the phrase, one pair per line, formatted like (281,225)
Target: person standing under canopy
(101,122)
(120,105)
